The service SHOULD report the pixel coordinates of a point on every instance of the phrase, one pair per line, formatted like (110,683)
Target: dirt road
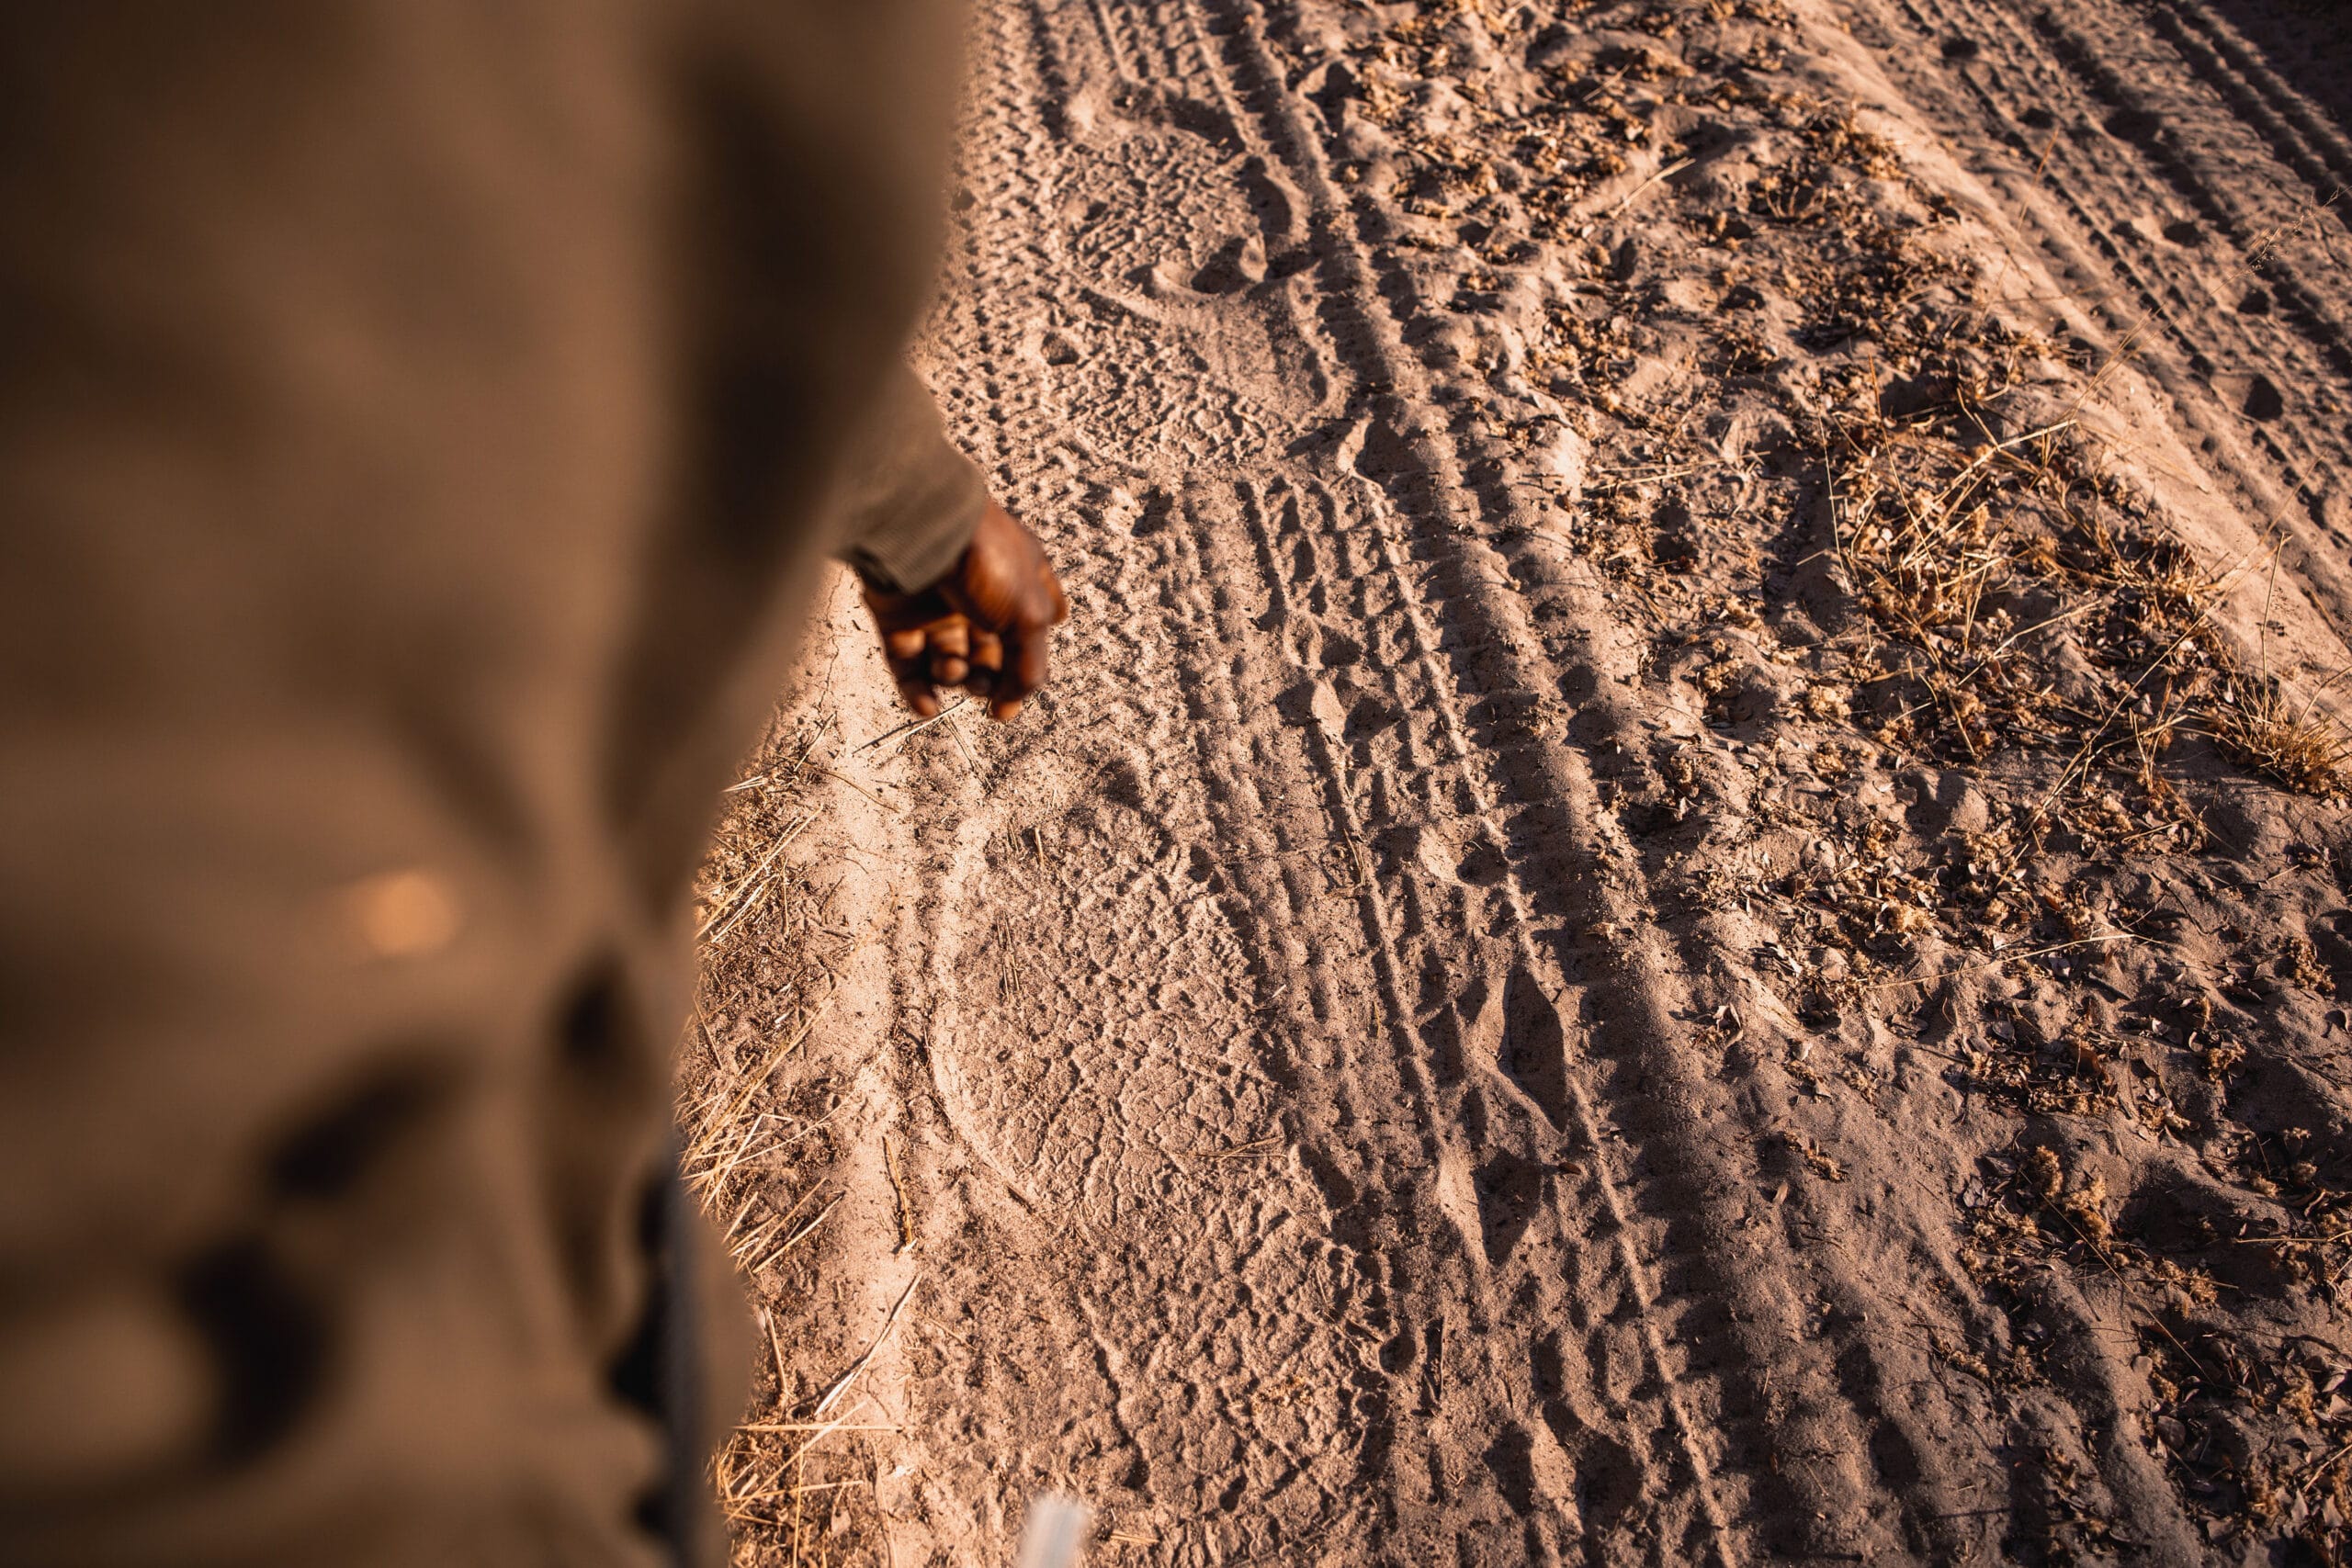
(1682,895)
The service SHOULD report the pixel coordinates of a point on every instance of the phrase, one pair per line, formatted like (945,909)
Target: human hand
(984,627)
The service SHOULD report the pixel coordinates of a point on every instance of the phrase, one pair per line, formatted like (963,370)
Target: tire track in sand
(1355,309)
(1906,1447)
(1246,1304)
(1546,1088)
(1322,1155)
(1522,1457)
(1668,1198)
(2266,388)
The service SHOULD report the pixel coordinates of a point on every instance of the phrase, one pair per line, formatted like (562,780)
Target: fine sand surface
(1683,894)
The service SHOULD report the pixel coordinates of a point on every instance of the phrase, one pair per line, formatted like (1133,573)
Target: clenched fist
(984,627)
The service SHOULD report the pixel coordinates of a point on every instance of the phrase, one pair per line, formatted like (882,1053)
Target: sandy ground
(1682,897)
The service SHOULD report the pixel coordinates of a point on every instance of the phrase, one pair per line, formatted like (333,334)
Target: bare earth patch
(1683,897)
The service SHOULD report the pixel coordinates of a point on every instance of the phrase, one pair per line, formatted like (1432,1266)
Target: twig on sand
(1997,959)
(841,1384)
(1256,1148)
(1667,173)
(822,1427)
(845,778)
(915,726)
(899,1184)
(2302,1487)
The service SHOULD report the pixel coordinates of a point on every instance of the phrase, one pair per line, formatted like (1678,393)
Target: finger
(988,650)
(951,646)
(919,696)
(904,646)
(911,674)
(1024,672)
(1060,600)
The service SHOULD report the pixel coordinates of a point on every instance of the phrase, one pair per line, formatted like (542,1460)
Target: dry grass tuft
(2297,743)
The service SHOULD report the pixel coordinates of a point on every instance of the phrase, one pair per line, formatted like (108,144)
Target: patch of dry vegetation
(756,1119)
(1771,322)
(2031,596)
(2290,740)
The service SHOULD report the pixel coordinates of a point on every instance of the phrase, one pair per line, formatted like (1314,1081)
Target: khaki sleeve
(417,426)
(909,500)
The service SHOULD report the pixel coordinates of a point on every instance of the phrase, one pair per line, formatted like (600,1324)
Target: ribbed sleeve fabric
(908,499)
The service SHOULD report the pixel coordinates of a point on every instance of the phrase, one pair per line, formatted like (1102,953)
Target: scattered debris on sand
(1684,895)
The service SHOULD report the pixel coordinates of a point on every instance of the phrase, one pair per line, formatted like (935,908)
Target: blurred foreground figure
(420,425)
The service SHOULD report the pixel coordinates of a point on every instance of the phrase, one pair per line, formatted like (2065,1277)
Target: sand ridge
(1678,901)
